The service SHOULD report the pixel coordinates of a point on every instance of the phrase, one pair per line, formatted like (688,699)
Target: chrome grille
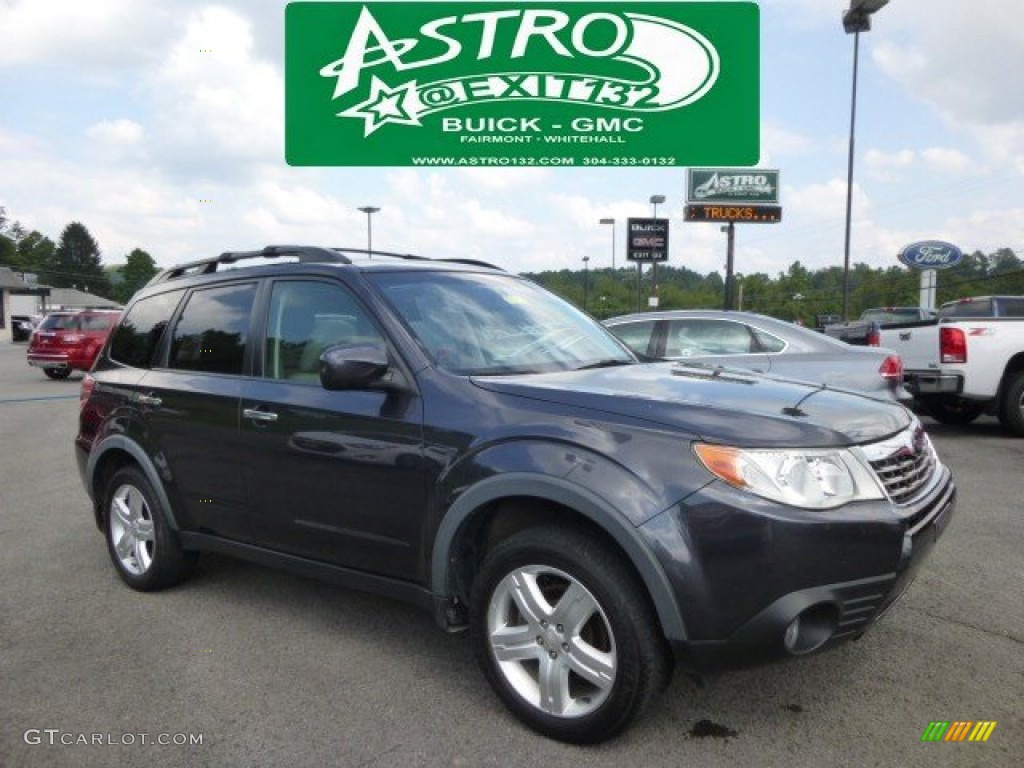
(904,464)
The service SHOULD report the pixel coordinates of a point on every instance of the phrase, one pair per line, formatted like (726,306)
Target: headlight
(812,479)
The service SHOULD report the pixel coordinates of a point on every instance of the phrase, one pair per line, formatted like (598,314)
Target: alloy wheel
(552,641)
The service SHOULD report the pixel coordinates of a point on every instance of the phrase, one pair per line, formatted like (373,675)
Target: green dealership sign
(514,84)
(732,185)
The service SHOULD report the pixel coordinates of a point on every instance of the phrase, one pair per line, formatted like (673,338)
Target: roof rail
(208,266)
(472,263)
(371,254)
(304,253)
(414,257)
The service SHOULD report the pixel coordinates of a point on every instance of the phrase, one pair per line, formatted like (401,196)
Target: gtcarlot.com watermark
(57,737)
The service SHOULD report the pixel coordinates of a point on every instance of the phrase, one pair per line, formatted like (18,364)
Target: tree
(35,253)
(76,262)
(138,269)
(8,252)
(9,236)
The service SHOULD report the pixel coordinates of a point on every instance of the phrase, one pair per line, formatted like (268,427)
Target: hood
(716,404)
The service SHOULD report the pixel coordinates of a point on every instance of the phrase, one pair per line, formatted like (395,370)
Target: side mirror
(352,366)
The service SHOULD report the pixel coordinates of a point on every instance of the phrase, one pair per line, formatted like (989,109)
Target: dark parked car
(460,438)
(69,341)
(763,344)
(23,325)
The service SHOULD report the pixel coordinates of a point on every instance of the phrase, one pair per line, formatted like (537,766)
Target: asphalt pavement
(268,669)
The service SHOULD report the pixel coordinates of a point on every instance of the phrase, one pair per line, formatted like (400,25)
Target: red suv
(67,341)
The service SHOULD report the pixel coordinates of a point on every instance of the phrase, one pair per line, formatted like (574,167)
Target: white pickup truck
(968,362)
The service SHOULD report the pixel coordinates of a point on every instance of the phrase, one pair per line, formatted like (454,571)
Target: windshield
(481,324)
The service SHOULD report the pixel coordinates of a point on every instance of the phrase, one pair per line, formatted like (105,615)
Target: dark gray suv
(455,436)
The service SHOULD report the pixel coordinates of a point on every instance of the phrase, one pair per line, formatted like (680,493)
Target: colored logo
(424,83)
(958,730)
(931,254)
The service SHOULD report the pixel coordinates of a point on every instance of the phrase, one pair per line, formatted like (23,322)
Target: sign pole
(730,252)
(639,272)
(929,278)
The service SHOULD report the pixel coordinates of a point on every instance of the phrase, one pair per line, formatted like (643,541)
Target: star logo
(385,105)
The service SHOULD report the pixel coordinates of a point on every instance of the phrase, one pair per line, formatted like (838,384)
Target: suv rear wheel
(142,546)
(566,635)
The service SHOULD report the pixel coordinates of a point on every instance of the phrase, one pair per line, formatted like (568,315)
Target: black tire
(953,410)
(57,374)
(616,639)
(143,548)
(1011,407)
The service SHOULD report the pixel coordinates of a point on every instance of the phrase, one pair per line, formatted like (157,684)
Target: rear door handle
(257,415)
(150,400)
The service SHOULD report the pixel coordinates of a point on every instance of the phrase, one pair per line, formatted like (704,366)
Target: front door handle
(150,400)
(257,415)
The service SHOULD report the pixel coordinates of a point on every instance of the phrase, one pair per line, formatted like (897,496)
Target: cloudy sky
(112,115)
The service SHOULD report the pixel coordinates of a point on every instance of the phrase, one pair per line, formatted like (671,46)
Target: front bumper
(759,577)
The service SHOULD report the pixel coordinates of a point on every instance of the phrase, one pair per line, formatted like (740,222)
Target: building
(12,287)
(26,298)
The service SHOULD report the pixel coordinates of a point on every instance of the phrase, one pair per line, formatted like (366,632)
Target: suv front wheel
(566,635)
(142,546)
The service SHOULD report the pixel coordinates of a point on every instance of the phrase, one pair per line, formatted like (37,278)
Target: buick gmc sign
(931,254)
(522,83)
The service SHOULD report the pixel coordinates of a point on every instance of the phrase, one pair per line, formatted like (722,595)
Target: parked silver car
(764,344)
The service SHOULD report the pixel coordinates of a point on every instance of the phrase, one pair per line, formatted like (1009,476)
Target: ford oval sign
(931,254)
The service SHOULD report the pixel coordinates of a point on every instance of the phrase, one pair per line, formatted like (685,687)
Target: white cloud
(962,59)
(802,14)
(116,132)
(96,36)
(217,112)
(778,142)
(827,202)
(987,230)
(883,165)
(504,179)
(958,56)
(946,160)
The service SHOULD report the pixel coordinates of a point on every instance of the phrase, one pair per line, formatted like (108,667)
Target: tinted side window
(136,338)
(636,336)
(981,308)
(306,318)
(1011,307)
(211,333)
(707,337)
(766,342)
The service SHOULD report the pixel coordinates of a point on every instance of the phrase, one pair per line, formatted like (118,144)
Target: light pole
(855,20)
(369,210)
(656,200)
(612,222)
(586,281)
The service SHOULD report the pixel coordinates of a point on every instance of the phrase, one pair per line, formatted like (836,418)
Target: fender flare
(578,498)
(133,449)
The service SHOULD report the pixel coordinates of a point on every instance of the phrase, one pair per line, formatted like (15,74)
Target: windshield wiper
(610,362)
